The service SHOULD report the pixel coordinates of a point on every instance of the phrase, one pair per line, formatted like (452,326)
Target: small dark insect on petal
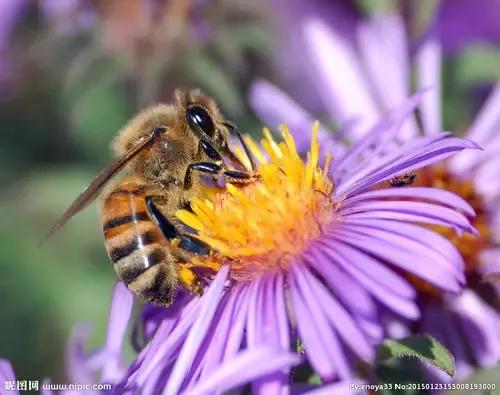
(401,181)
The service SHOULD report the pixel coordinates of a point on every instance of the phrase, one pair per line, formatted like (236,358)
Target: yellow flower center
(262,226)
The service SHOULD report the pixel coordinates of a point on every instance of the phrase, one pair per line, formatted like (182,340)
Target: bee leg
(213,154)
(239,177)
(231,176)
(190,279)
(168,229)
(209,150)
(186,247)
(193,245)
(234,129)
(203,167)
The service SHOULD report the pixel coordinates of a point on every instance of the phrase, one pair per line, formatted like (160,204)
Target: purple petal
(374,269)
(339,319)
(410,211)
(402,252)
(121,309)
(360,267)
(212,344)
(427,238)
(405,161)
(10,13)
(356,298)
(382,134)
(165,344)
(238,325)
(480,325)
(490,269)
(320,343)
(343,286)
(340,78)
(197,332)
(77,361)
(437,195)
(484,131)
(213,354)
(383,45)
(244,367)
(6,374)
(268,333)
(429,76)
(274,107)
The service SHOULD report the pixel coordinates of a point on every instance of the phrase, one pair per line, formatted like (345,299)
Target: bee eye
(199,118)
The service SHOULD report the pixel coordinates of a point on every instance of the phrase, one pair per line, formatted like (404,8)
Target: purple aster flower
(303,254)
(378,67)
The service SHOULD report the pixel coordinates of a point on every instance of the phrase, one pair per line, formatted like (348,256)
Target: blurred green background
(71,74)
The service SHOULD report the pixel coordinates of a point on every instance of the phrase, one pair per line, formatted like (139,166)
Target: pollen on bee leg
(190,279)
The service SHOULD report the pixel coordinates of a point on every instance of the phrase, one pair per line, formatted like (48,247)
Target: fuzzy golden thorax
(166,161)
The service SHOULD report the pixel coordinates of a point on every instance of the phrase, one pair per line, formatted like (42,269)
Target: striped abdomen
(137,247)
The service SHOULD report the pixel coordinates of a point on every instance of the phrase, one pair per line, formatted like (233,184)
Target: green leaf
(422,347)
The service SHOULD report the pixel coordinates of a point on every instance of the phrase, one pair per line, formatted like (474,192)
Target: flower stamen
(262,226)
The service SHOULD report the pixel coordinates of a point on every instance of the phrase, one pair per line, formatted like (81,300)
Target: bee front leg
(231,176)
(202,167)
(234,130)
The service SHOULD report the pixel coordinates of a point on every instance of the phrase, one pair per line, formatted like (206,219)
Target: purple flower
(305,254)
(377,70)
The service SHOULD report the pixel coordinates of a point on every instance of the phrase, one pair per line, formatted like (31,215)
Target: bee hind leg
(184,248)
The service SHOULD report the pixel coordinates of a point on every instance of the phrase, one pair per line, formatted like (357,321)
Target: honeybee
(401,181)
(164,152)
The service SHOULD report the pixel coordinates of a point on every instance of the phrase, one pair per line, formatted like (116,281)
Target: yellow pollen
(261,226)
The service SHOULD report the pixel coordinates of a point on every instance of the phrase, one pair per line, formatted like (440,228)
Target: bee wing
(93,190)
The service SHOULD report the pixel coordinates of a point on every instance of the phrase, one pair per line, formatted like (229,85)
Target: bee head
(203,117)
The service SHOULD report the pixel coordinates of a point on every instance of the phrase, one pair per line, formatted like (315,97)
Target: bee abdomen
(137,247)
